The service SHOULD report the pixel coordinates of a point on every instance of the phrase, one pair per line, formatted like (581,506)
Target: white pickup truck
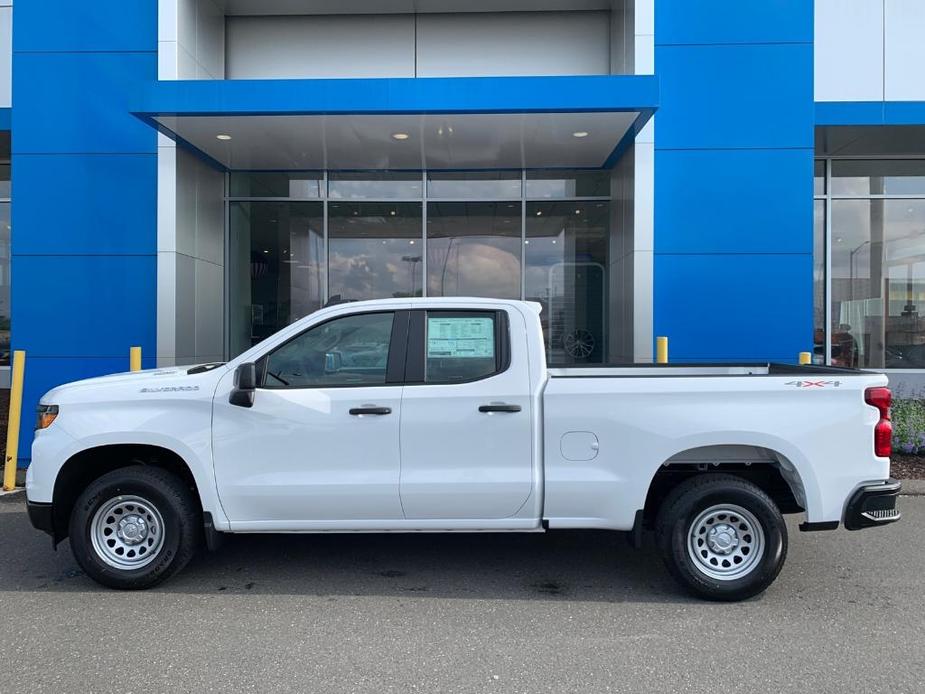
(442,415)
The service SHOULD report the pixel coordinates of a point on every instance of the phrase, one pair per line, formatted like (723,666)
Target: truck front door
(320,442)
(466,427)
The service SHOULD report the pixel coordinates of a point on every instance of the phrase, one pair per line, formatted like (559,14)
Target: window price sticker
(460,338)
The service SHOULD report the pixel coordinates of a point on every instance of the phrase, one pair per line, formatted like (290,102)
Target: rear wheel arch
(88,465)
(768,469)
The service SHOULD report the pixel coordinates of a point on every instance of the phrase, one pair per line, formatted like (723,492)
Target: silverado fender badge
(168,389)
(813,384)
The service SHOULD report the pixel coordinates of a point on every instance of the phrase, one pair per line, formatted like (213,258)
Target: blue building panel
(84,305)
(583,93)
(874,113)
(100,25)
(85,187)
(87,218)
(734,307)
(77,102)
(734,146)
(735,96)
(733,21)
(734,200)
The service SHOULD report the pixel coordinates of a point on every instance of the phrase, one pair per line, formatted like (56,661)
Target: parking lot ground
(563,612)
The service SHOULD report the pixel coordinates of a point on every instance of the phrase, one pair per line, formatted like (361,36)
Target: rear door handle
(499,408)
(370,410)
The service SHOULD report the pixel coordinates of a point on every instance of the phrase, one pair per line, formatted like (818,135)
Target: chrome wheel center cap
(722,538)
(132,529)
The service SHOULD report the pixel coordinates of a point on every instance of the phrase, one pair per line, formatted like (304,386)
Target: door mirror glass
(333,361)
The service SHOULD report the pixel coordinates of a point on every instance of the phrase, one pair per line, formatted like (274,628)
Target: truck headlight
(46,415)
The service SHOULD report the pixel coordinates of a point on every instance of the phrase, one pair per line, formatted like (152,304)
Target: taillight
(881,398)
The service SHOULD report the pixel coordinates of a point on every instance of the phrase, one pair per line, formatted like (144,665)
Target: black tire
(170,497)
(692,501)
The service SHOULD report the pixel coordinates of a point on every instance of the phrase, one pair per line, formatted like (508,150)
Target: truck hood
(173,380)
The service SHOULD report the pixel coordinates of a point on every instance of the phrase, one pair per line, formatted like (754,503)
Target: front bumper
(872,505)
(41,516)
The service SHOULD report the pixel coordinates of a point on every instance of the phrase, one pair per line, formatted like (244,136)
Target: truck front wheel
(721,537)
(134,527)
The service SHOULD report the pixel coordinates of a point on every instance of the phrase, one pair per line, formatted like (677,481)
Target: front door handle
(499,408)
(370,410)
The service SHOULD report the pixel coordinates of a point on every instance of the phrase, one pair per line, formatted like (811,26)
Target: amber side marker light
(46,415)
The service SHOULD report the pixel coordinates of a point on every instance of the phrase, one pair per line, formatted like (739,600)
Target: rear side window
(461,346)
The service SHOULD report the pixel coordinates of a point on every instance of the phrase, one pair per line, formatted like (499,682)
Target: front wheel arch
(88,465)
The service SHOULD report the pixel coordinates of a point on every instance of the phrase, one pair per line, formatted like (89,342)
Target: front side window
(348,351)
(460,346)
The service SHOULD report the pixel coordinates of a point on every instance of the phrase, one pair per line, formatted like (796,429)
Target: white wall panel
(320,46)
(210,40)
(447,45)
(644,45)
(210,305)
(904,55)
(849,50)
(534,43)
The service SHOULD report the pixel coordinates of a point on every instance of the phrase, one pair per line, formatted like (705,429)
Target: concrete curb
(913,488)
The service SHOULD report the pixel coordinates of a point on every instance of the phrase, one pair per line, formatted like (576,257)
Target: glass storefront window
(295,185)
(878,283)
(296,244)
(568,184)
(473,249)
(475,185)
(566,271)
(819,281)
(375,250)
(276,265)
(819,177)
(375,186)
(878,177)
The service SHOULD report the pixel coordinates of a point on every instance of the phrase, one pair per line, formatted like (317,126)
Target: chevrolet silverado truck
(441,415)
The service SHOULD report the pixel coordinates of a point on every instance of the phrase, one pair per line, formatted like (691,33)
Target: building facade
(189,176)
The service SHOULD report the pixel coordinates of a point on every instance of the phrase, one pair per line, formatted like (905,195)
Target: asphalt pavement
(561,612)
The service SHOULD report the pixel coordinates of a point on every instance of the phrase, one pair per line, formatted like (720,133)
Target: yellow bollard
(134,359)
(12,427)
(661,350)
(806,358)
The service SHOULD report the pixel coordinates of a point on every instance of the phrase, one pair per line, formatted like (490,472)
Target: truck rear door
(466,425)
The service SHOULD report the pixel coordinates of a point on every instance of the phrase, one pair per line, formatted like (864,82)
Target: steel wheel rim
(127,532)
(725,542)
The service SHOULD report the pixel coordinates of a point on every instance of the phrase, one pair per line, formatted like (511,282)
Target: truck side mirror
(333,362)
(245,385)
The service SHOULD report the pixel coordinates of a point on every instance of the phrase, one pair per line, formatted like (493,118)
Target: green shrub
(908,416)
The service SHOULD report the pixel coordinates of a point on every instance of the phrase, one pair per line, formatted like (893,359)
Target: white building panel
(320,46)
(528,43)
(849,50)
(904,54)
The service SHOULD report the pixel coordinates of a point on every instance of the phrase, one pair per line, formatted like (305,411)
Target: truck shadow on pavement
(573,565)
(563,565)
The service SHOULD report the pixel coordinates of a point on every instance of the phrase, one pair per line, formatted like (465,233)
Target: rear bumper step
(872,505)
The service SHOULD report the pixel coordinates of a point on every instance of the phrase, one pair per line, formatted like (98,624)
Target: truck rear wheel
(721,537)
(134,527)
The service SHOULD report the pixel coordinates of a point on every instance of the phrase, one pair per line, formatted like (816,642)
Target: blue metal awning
(407,123)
